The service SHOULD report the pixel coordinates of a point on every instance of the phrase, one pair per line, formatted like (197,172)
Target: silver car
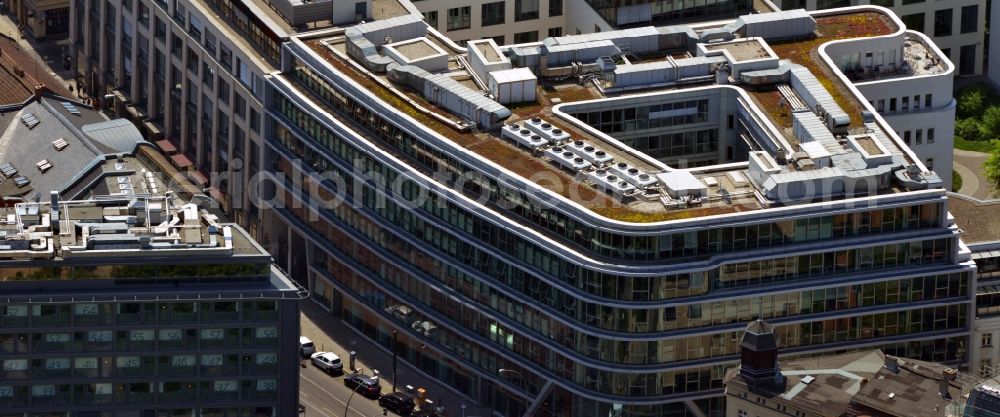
(328,362)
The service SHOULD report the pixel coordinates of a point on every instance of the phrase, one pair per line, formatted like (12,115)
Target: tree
(989,127)
(967,128)
(970,102)
(992,167)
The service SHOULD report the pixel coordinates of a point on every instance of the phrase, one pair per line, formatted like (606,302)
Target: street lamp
(510,372)
(394,340)
(348,405)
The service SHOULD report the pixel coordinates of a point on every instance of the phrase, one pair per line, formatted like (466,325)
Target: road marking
(310,407)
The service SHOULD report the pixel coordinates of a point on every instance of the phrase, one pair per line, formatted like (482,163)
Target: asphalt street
(325,396)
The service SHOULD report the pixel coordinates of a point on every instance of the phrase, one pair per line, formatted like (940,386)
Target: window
(906,137)
(914,21)
(460,18)
(985,368)
(930,164)
(555,32)
(987,340)
(930,136)
(493,13)
(892,104)
(919,136)
(970,18)
(927,101)
(143,14)
(160,29)
(499,39)
(906,103)
(942,22)
(905,2)
(967,60)
(555,8)
(225,57)
(525,10)
(254,121)
(431,18)
(916,103)
(881,105)
(525,37)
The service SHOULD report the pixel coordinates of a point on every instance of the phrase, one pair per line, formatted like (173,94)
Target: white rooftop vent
(589,152)
(60,144)
(44,165)
(633,175)
(808,379)
(548,131)
(567,159)
(523,137)
(608,181)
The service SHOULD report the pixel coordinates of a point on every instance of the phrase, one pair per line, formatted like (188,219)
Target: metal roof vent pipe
(54,203)
(944,383)
(892,364)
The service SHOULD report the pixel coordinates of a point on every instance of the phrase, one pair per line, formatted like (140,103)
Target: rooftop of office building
(119,228)
(861,383)
(516,106)
(969,213)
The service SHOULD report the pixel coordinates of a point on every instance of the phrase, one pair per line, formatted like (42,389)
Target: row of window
(165,411)
(916,136)
(136,393)
(494,13)
(904,103)
(664,11)
(187,365)
(647,117)
(89,314)
(943,21)
(858,328)
(140,340)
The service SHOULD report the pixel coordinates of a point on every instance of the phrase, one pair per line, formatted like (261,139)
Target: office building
(604,238)
(120,298)
(958,27)
(578,288)
(135,306)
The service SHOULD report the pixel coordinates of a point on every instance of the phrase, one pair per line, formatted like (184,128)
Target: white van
(306,347)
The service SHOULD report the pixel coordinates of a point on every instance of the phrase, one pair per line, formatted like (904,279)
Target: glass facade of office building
(636,317)
(140,340)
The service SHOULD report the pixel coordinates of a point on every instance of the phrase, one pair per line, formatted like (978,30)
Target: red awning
(181,161)
(166,146)
(198,178)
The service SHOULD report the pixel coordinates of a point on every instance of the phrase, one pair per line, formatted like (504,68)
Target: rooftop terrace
(570,74)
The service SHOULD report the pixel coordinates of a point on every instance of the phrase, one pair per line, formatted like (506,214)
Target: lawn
(973,145)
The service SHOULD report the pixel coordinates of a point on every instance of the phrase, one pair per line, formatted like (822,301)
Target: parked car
(306,347)
(364,384)
(327,361)
(397,402)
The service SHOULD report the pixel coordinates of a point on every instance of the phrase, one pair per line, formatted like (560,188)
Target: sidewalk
(969,165)
(330,334)
(41,61)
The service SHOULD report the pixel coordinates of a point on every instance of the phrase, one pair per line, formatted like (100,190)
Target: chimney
(947,376)
(54,212)
(759,354)
(892,364)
